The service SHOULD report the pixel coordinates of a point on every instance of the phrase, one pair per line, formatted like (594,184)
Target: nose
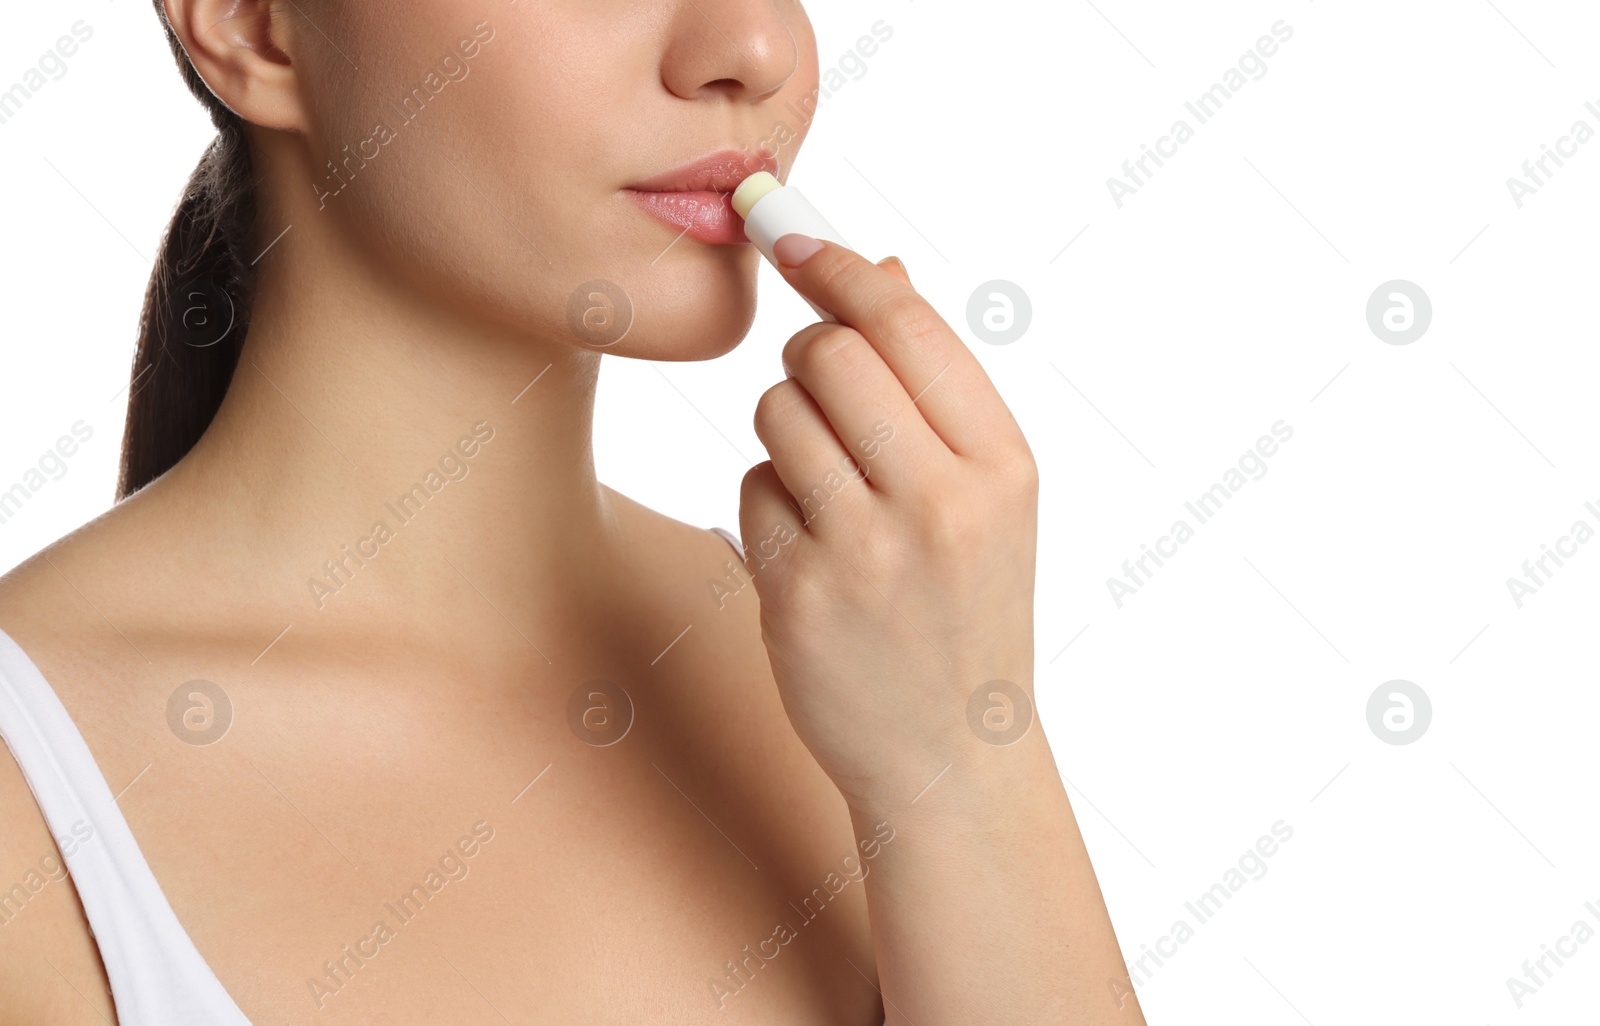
(743,49)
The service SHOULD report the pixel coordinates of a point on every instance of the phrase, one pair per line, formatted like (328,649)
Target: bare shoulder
(697,564)
(50,969)
(52,594)
(70,608)
(711,623)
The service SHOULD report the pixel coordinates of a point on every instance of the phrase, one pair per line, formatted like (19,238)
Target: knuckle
(775,402)
(1017,470)
(790,586)
(807,588)
(949,525)
(910,316)
(822,347)
(755,477)
(799,340)
(877,554)
(840,271)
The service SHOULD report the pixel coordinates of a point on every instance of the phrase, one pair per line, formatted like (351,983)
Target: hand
(891,542)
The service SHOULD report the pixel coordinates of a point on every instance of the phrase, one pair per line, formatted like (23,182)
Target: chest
(494,862)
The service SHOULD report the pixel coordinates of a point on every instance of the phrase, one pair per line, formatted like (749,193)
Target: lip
(696,197)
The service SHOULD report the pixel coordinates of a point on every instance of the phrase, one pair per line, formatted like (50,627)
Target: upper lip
(721,171)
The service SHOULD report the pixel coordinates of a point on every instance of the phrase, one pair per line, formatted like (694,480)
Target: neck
(375,447)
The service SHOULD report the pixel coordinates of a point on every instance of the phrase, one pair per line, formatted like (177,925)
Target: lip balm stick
(772,210)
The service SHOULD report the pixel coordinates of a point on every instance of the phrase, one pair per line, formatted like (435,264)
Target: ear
(237,46)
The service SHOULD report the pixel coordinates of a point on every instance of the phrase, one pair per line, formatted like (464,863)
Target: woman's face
(482,153)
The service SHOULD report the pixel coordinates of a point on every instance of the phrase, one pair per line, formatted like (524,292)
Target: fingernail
(795,249)
(898,263)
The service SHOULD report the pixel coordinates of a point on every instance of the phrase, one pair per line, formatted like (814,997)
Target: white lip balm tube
(772,210)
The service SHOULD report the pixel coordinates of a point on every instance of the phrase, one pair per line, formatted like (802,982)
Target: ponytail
(197,305)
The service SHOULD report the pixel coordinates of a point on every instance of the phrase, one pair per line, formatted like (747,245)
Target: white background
(1226,294)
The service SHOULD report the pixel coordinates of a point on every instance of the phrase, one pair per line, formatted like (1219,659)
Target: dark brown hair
(197,305)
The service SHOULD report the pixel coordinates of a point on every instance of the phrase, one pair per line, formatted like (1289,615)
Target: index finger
(938,371)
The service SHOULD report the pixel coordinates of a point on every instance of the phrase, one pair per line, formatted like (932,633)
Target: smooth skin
(780,733)
(894,604)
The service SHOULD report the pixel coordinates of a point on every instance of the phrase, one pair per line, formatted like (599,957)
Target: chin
(697,313)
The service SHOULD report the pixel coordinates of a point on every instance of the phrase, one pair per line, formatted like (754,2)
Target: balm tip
(752,189)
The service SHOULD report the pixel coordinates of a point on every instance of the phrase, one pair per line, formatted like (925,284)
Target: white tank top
(156,973)
(157,976)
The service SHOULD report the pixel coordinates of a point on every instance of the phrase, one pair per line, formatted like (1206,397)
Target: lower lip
(706,216)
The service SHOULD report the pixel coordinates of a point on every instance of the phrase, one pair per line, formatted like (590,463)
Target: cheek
(497,193)
(429,184)
(438,166)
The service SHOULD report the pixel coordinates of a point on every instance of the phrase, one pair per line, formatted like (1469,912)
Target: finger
(865,404)
(895,266)
(768,522)
(934,365)
(813,465)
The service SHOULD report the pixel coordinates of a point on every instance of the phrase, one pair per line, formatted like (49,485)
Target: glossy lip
(696,197)
(721,171)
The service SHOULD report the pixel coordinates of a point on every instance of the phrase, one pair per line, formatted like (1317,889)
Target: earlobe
(240,48)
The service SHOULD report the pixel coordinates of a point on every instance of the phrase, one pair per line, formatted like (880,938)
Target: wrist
(976,784)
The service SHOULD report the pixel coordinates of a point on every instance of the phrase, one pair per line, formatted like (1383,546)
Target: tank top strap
(157,975)
(731,539)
